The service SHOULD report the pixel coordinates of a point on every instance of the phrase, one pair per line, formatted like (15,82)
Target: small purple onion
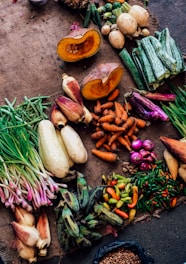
(154,155)
(148,144)
(136,144)
(144,153)
(144,166)
(148,159)
(136,158)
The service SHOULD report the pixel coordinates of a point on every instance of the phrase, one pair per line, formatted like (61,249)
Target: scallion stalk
(23,178)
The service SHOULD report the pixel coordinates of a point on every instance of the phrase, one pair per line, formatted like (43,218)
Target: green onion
(23,178)
(176,110)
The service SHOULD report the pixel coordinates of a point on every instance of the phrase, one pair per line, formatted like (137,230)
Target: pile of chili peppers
(157,189)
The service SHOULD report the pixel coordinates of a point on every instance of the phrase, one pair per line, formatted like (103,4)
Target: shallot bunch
(142,153)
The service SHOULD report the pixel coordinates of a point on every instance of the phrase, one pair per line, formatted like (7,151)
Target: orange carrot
(111,112)
(113,137)
(112,192)
(105,112)
(101,141)
(114,95)
(131,130)
(98,128)
(140,123)
(121,213)
(113,147)
(95,117)
(97,107)
(129,123)
(107,147)
(118,109)
(107,118)
(127,139)
(97,135)
(106,156)
(107,105)
(112,128)
(124,143)
(124,116)
(133,137)
(118,121)
(127,106)
(134,197)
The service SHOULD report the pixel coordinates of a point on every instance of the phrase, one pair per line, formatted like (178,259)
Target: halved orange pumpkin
(79,44)
(101,81)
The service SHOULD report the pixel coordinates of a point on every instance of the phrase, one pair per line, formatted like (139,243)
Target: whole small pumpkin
(79,44)
(101,81)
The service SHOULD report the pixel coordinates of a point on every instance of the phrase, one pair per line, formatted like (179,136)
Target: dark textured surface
(171,14)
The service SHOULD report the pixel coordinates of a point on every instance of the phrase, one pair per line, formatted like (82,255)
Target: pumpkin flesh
(101,81)
(79,44)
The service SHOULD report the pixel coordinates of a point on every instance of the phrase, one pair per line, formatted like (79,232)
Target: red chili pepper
(113,182)
(134,197)
(121,213)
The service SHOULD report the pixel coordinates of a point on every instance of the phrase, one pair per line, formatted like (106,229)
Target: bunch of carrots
(114,127)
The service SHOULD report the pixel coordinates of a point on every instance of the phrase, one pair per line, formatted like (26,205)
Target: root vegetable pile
(114,126)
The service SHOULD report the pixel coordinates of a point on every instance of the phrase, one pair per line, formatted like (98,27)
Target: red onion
(137,144)
(136,157)
(153,155)
(148,144)
(144,166)
(148,159)
(144,153)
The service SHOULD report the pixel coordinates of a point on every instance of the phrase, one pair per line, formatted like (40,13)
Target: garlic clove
(24,217)
(72,88)
(25,252)
(57,117)
(72,110)
(29,235)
